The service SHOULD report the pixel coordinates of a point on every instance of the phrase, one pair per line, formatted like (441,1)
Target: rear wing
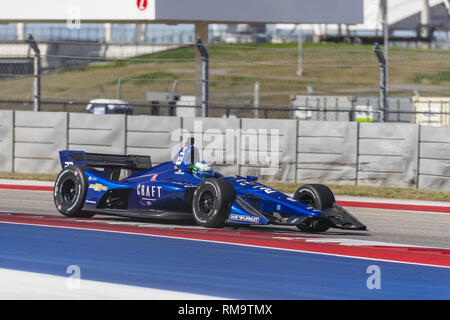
(99,160)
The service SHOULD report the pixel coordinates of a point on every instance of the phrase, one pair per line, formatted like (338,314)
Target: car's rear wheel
(317,196)
(211,204)
(69,192)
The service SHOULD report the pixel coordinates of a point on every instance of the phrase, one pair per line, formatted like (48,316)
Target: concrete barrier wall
(6,140)
(97,133)
(390,154)
(151,135)
(258,157)
(38,137)
(434,160)
(327,152)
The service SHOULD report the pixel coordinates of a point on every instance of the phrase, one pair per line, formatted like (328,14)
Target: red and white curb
(31,185)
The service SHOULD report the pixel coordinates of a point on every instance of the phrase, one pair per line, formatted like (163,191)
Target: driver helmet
(202,170)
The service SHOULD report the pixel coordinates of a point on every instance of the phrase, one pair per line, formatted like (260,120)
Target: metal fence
(425,111)
(260,80)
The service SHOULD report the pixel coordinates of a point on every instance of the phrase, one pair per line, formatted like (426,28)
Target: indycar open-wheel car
(92,183)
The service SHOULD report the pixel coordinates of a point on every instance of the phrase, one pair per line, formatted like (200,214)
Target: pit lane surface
(413,228)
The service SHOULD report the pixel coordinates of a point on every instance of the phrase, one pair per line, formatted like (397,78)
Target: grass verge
(290,187)
(28,176)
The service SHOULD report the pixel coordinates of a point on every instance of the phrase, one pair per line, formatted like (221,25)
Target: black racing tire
(211,204)
(69,192)
(317,196)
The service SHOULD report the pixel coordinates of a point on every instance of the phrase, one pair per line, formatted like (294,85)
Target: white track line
(22,285)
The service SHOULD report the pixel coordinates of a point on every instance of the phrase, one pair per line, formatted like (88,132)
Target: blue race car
(91,183)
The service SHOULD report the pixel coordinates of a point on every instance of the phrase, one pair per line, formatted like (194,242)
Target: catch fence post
(383,93)
(256,100)
(36,73)
(205,77)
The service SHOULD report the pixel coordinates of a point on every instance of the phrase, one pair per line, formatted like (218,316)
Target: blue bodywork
(167,187)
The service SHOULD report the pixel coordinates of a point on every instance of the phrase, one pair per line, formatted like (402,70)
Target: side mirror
(252,178)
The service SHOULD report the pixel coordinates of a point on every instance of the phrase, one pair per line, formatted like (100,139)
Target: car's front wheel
(211,204)
(317,196)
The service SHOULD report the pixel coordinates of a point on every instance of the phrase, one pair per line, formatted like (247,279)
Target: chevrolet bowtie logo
(97,187)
